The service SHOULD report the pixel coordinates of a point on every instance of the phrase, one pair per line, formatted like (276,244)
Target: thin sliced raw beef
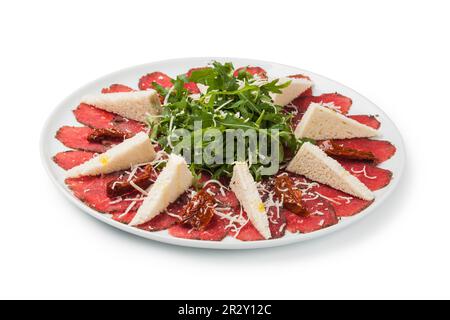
(299,76)
(337,101)
(382,150)
(76,138)
(277,226)
(224,196)
(214,232)
(96,118)
(308,92)
(146,82)
(299,106)
(92,191)
(370,121)
(117,88)
(247,233)
(161,222)
(192,86)
(321,215)
(69,159)
(252,70)
(344,204)
(373,177)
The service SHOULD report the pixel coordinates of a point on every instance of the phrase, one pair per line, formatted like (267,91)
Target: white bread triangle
(295,88)
(244,187)
(132,151)
(321,123)
(313,163)
(135,105)
(171,183)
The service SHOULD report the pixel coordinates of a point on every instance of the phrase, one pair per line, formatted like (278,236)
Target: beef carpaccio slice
(192,86)
(373,177)
(77,138)
(382,150)
(69,159)
(321,212)
(344,204)
(117,88)
(215,231)
(253,71)
(146,82)
(277,226)
(370,121)
(92,191)
(97,118)
(337,101)
(161,222)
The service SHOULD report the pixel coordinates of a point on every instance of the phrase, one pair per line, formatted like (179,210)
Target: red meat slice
(117,88)
(96,118)
(373,177)
(247,233)
(192,87)
(76,138)
(370,121)
(382,150)
(341,103)
(321,215)
(162,221)
(277,226)
(69,159)
(253,71)
(214,232)
(92,191)
(344,204)
(146,82)
(224,196)
(300,76)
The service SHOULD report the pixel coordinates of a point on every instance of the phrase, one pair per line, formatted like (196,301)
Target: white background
(394,52)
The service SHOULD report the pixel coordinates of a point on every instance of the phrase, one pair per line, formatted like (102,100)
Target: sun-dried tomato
(143,180)
(199,211)
(290,196)
(110,134)
(333,149)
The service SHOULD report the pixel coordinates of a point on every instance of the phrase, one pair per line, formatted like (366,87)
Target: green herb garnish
(230,103)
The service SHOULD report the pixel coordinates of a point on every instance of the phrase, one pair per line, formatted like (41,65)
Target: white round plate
(63,115)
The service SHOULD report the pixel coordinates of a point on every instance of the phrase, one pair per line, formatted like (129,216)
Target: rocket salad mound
(133,156)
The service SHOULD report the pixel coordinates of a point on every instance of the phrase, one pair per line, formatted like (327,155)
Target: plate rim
(206,244)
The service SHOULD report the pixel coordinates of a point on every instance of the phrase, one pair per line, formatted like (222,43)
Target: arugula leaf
(243,102)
